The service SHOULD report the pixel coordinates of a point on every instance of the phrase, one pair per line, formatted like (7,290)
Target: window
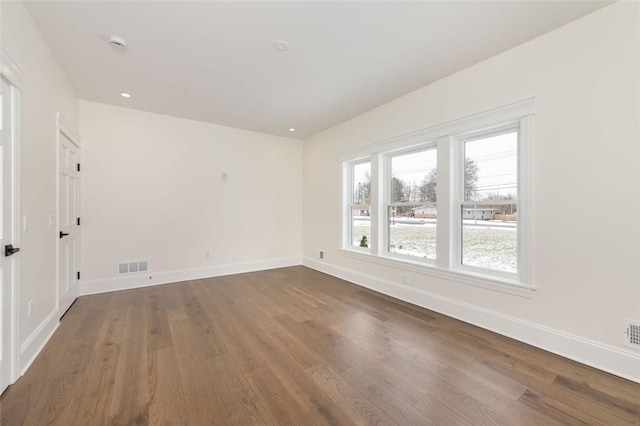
(454,200)
(360,204)
(489,219)
(411,206)
(489,207)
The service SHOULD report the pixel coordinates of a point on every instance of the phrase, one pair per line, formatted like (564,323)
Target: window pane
(490,237)
(491,168)
(362,183)
(413,177)
(412,227)
(412,231)
(361,227)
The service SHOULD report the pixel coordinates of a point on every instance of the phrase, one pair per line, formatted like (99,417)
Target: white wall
(585,77)
(152,189)
(45,91)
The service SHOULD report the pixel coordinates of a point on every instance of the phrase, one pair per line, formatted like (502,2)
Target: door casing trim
(12,74)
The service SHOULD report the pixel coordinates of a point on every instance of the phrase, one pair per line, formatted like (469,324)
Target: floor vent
(133,267)
(632,333)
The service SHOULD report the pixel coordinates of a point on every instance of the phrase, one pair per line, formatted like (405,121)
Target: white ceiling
(215,61)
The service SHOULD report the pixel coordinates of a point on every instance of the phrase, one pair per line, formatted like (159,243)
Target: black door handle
(63,234)
(9,250)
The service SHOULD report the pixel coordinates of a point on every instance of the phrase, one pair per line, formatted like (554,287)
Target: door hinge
(78,167)
(78,221)
(78,274)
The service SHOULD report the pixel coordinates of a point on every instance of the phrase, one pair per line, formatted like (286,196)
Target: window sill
(503,285)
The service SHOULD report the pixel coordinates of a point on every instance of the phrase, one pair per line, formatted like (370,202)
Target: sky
(497,162)
(495,156)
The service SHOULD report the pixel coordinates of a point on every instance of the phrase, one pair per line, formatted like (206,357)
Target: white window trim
(447,136)
(489,282)
(484,120)
(458,200)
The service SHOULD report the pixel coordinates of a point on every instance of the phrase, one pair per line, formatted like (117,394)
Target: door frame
(10,72)
(65,129)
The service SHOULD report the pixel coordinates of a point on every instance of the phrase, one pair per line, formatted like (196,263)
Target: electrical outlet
(405,279)
(321,254)
(25,223)
(29,307)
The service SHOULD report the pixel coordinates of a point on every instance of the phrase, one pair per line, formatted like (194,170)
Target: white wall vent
(133,267)
(632,333)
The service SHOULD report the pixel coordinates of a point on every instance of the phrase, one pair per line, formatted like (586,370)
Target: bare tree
(470,178)
(362,193)
(428,187)
(399,190)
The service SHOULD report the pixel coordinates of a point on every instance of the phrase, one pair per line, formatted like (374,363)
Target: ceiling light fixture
(125,95)
(118,42)
(292,129)
(281,46)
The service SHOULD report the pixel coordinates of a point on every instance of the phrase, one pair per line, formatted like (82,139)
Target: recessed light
(281,46)
(125,95)
(292,129)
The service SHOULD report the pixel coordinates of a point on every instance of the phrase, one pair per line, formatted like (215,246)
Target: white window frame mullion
(445,228)
(385,192)
(458,164)
(376,197)
(525,201)
(347,200)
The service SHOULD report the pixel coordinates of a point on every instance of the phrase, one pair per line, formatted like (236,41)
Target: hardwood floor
(293,346)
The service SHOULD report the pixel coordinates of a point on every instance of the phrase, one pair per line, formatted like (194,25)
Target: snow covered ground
(486,244)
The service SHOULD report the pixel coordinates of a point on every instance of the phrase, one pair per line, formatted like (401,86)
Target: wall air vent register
(133,267)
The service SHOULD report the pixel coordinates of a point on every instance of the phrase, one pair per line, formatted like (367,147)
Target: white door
(68,216)
(8,231)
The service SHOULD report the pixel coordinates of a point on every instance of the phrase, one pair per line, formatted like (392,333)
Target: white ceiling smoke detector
(118,42)
(281,46)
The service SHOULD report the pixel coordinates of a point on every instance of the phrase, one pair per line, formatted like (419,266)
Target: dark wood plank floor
(293,346)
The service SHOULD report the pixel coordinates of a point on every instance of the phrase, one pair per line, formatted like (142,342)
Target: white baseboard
(127,282)
(34,344)
(608,358)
